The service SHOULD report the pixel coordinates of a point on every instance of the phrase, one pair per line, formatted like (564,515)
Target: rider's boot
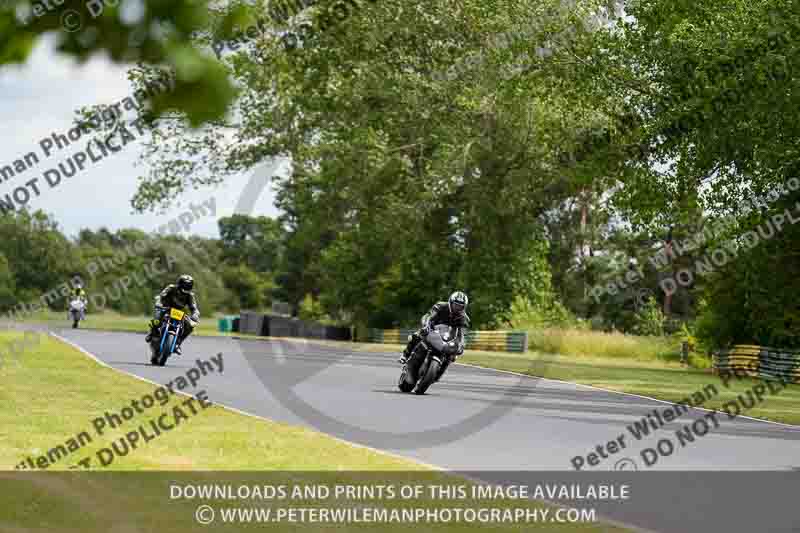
(404,357)
(184,334)
(151,335)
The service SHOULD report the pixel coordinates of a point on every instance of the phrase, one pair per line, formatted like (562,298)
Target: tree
(159,33)
(716,120)
(7,285)
(710,88)
(255,241)
(41,257)
(251,290)
(310,309)
(406,183)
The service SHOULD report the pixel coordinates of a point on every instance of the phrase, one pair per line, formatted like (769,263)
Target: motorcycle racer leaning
(179,296)
(453,313)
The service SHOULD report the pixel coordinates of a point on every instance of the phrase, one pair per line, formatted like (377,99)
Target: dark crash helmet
(185,284)
(457,303)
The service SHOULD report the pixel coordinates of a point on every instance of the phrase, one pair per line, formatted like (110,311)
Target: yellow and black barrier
(758,362)
(494,341)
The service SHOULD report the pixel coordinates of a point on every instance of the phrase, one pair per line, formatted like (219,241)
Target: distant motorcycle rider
(453,313)
(78,293)
(179,296)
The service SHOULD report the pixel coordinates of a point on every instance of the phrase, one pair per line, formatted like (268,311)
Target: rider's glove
(194,319)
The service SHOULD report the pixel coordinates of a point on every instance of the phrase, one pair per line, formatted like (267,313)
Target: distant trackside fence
(759,362)
(252,323)
(494,341)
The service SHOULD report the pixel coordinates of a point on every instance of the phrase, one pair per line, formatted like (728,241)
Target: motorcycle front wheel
(166,349)
(403,384)
(429,378)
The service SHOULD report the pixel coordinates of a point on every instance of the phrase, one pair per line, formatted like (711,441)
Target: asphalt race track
(473,420)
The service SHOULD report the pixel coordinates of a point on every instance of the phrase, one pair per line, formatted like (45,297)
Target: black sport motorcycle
(427,363)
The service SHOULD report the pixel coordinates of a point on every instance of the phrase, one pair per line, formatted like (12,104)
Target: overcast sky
(40,98)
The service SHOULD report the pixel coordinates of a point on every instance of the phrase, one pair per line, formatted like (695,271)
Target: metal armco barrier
(759,362)
(493,341)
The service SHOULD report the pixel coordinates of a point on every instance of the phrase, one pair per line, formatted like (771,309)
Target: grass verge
(51,392)
(109,320)
(616,345)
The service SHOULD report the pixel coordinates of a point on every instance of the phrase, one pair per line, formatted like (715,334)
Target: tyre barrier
(253,323)
(758,362)
(493,341)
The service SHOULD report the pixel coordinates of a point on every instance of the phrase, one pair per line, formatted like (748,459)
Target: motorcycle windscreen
(444,335)
(435,341)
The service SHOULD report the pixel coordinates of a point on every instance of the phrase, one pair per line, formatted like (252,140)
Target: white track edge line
(103,363)
(794,427)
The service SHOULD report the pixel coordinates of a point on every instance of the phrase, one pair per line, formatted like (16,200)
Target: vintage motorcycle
(162,346)
(429,360)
